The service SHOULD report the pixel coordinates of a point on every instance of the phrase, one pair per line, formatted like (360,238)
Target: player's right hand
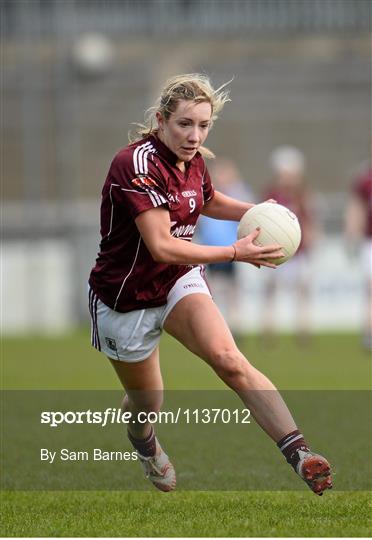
(247,251)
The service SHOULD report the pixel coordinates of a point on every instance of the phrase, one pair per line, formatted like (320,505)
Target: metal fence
(175,17)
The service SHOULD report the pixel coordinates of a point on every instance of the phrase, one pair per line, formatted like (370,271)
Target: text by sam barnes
(96,454)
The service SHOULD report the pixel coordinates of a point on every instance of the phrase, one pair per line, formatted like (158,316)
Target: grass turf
(330,361)
(229,514)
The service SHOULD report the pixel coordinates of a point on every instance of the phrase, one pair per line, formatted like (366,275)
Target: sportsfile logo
(109,416)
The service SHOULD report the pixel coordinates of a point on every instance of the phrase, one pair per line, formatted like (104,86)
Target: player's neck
(181,166)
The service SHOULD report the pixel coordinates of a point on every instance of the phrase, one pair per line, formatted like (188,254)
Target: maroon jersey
(298,201)
(363,190)
(143,176)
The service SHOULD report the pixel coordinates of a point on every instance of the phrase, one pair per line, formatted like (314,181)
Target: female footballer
(149,276)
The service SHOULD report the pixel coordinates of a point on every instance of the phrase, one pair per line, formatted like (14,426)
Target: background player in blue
(154,182)
(224,277)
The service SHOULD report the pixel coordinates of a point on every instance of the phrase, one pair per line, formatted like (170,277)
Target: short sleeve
(208,188)
(141,189)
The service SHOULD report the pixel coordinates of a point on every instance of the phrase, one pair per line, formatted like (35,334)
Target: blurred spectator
(223,277)
(358,233)
(287,165)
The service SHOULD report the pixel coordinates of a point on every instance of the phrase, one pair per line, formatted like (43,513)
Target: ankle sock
(290,445)
(145,447)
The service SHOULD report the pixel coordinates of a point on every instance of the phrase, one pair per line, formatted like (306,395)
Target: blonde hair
(194,87)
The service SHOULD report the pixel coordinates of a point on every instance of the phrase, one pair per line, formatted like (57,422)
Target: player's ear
(160,120)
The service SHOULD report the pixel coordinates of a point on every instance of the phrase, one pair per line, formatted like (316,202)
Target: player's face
(186,129)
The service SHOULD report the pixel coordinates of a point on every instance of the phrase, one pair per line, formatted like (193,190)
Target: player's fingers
(268,264)
(270,248)
(272,255)
(253,235)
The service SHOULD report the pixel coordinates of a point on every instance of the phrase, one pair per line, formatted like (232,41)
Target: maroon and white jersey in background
(362,189)
(143,176)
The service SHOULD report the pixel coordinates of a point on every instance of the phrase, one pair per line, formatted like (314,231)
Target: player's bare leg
(144,393)
(144,389)
(197,323)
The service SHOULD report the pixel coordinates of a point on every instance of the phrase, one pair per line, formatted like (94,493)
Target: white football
(278,226)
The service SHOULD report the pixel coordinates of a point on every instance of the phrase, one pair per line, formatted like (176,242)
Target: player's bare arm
(223,207)
(154,226)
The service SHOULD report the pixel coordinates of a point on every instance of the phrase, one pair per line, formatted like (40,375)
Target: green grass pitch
(329,362)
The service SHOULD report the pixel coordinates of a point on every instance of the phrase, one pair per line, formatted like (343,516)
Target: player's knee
(146,400)
(229,364)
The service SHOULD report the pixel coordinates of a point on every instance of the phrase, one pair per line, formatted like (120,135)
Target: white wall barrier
(40,284)
(337,290)
(36,285)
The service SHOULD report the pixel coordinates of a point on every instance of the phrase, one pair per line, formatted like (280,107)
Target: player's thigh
(143,375)
(142,381)
(196,322)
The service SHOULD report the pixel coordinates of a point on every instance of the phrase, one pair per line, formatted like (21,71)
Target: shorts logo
(192,285)
(111,343)
(143,181)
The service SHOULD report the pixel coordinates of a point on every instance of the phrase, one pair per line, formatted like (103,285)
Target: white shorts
(133,336)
